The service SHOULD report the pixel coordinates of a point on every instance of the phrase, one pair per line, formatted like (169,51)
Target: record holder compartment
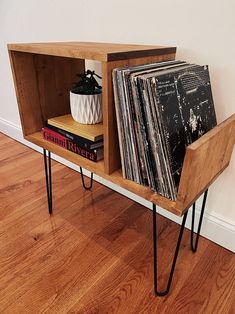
(204,161)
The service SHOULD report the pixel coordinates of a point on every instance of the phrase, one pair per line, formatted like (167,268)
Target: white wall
(203,31)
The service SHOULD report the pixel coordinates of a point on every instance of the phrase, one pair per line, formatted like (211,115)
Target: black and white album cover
(186,110)
(161,108)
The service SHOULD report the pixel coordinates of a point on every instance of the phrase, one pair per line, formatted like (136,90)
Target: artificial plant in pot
(86,99)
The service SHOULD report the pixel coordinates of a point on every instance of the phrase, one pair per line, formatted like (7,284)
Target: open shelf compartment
(44,73)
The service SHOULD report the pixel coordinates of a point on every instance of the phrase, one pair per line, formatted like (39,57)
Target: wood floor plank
(94,254)
(207,288)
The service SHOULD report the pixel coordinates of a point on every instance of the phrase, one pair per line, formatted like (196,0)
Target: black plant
(87,84)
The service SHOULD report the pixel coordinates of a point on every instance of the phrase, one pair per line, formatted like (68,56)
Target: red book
(54,137)
(62,141)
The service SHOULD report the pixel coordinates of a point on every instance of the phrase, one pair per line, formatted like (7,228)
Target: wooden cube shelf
(43,75)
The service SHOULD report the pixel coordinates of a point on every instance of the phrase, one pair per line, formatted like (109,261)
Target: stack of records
(161,108)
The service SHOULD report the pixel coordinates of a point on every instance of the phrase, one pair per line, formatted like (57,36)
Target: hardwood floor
(94,254)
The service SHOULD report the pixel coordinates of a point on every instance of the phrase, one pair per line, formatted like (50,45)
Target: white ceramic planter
(86,109)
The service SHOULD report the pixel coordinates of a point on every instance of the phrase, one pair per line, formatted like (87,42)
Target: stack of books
(82,139)
(161,108)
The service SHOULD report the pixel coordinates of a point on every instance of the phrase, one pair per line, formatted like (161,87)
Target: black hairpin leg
(194,246)
(155,275)
(83,182)
(47,164)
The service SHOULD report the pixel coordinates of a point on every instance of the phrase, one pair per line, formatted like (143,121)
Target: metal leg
(194,247)
(83,182)
(47,164)
(165,292)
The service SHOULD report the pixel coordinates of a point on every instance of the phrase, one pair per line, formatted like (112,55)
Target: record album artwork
(161,108)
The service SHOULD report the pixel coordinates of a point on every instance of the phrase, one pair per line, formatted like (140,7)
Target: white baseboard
(214,228)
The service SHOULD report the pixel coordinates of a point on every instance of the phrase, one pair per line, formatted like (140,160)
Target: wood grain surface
(94,254)
(204,161)
(42,85)
(93,50)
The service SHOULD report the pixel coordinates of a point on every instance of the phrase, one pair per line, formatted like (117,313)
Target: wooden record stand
(43,74)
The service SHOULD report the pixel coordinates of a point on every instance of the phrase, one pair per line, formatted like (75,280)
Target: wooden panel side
(111,144)
(93,50)
(25,80)
(140,52)
(205,159)
(55,78)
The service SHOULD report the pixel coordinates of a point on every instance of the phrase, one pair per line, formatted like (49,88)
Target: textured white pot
(86,109)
